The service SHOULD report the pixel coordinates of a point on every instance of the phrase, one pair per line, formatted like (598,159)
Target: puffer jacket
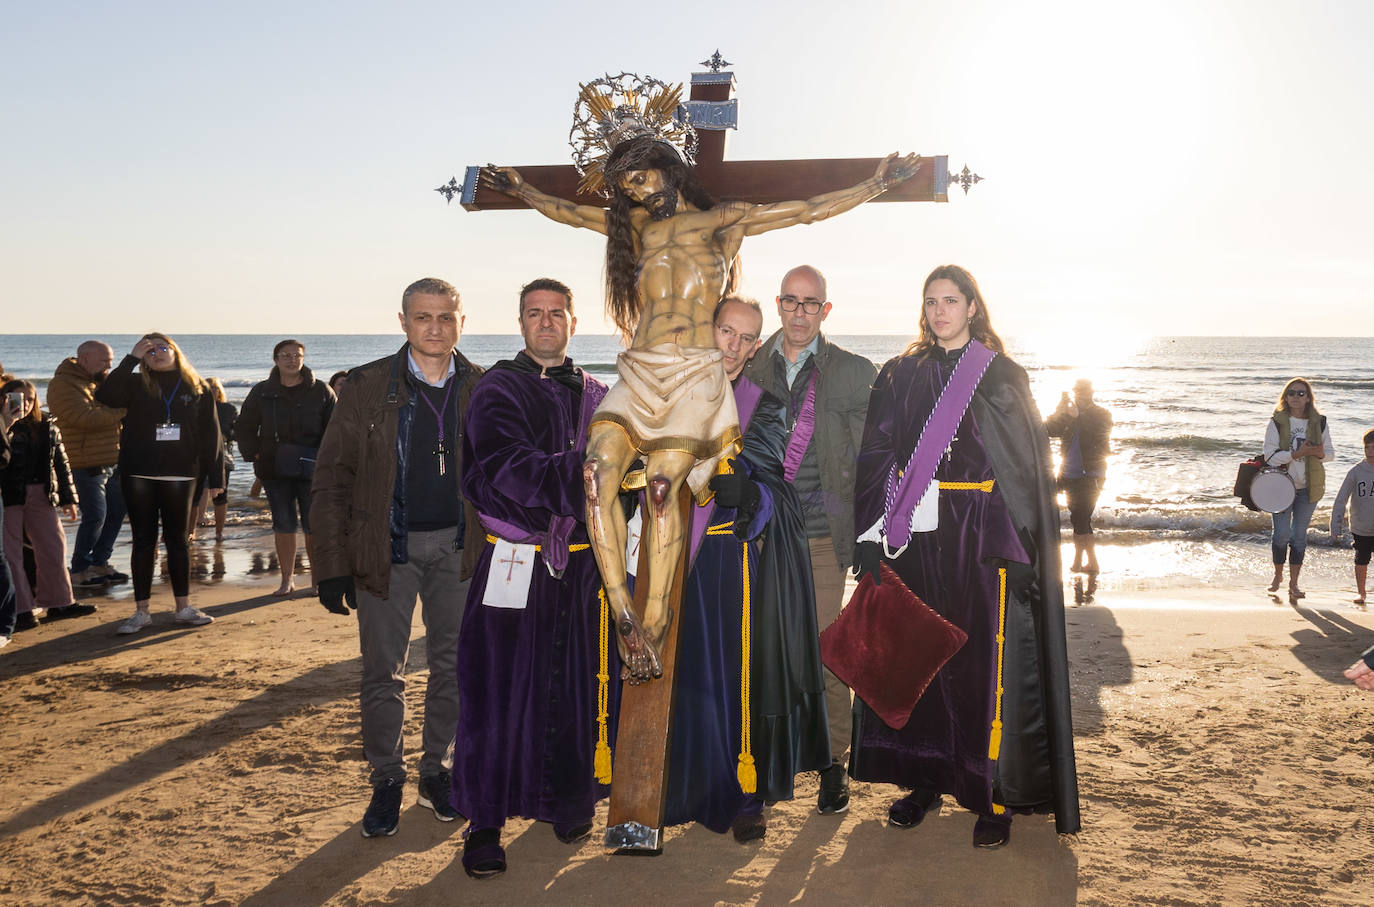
(357,507)
(37,457)
(90,429)
(274,413)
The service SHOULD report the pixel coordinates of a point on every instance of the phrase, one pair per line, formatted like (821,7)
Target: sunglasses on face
(160,348)
(1297,393)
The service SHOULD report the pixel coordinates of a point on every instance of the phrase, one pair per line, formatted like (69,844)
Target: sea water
(1187,411)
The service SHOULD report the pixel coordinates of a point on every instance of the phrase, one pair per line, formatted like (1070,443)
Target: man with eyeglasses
(748,647)
(825,390)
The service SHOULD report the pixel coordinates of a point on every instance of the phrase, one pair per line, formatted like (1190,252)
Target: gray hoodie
(1358,489)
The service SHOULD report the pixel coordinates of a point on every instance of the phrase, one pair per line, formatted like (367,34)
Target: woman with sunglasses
(1296,439)
(170,437)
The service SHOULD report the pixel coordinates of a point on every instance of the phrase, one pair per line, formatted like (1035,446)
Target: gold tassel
(748,775)
(995,739)
(602,762)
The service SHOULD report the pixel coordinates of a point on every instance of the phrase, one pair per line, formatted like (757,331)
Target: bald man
(90,430)
(825,389)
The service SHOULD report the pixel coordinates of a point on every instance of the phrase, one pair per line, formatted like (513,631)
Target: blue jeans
(102,515)
(1290,529)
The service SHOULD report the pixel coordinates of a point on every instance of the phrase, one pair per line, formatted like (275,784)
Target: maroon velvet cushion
(887,645)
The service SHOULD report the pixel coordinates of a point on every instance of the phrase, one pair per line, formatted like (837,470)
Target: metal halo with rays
(613,109)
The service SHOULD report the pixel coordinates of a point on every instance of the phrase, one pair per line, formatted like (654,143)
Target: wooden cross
(713,109)
(640,769)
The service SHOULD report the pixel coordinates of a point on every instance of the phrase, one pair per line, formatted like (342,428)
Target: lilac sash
(802,430)
(905,491)
(747,397)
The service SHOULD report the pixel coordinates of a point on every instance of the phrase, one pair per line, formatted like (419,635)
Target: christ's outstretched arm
(509,181)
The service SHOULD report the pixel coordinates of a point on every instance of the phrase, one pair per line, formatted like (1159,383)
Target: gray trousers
(384,638)
(827,578)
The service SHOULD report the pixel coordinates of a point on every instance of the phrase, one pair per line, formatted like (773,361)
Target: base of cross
(645,731)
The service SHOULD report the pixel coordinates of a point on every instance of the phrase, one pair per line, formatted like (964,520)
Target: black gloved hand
(735,490)
(868,556)
(337,590)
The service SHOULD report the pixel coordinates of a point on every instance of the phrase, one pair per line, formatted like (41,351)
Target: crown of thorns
(614,109)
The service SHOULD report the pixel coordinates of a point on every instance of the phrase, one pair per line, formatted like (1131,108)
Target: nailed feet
(638,655)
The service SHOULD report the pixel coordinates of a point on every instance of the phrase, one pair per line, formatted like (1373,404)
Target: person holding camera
(1084,431)
(170,437)
(35,483)
(279,431)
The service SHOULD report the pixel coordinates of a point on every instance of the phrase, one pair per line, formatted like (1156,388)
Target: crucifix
(671,249)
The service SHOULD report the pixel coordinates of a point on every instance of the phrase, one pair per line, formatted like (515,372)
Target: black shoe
(571,834)
(749,828)
(991,831)
(483,856)
(834,795)
(434,790)
(909,811)
(89,578)
(25,620)
(75,609)
(113,576)
(384,812)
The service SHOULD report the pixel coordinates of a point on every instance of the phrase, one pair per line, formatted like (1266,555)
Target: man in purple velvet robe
(721,769)
(538,682)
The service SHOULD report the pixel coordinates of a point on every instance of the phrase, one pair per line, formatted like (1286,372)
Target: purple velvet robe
(527,678)
(954,569)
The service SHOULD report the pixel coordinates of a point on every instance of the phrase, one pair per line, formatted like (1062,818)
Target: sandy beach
(1222,758)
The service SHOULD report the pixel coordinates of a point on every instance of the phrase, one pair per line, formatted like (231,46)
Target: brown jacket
(90,429)
(356,529)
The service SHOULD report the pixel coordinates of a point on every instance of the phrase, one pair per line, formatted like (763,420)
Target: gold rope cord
(746,772)
(602,762)
(995,739)
(572,549)
(985,487)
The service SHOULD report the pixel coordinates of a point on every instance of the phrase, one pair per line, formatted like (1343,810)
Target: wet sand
(1222,759)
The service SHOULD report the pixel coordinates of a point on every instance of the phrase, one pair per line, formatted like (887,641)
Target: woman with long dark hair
(35,484)
(170,438)
(956,493)
(1296,439)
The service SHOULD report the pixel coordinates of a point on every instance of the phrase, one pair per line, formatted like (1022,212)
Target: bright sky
(1177,167)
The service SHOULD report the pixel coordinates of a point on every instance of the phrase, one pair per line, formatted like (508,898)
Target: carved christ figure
(669,255)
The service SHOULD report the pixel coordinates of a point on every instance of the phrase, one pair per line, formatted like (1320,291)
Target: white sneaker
(191,616)
(4,641)
(140,620)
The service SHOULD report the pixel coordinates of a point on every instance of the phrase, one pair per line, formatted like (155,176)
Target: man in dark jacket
(392,525)
(279,432)
(825,389)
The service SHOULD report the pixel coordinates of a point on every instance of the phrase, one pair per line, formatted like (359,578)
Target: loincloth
(675,398)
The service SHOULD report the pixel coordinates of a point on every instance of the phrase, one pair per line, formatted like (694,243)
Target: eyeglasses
(810,305)
(1296,392)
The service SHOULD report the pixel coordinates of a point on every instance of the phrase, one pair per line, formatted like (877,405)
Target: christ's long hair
(980,325)
(622,258)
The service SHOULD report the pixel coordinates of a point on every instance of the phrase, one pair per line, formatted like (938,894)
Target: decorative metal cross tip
(715,62)
(453,187)
(967,178)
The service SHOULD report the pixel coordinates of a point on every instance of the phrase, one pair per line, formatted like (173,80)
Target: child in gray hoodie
(1358,490)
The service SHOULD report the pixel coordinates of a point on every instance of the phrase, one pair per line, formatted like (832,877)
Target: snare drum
(1272,490)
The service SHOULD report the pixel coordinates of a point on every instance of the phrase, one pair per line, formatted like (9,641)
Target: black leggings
(147,501)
